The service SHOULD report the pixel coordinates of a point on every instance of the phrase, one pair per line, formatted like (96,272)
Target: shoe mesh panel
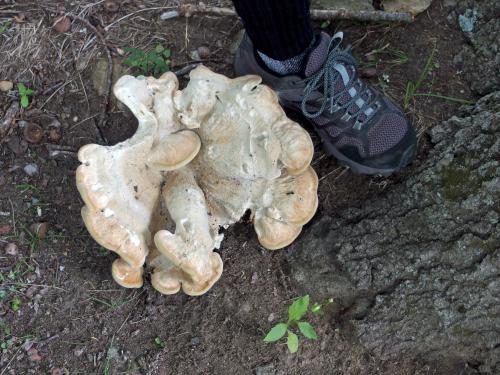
(333,131)
(386,134)
(317,56)
(349,141)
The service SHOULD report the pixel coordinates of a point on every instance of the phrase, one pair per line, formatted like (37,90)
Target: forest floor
(59,307)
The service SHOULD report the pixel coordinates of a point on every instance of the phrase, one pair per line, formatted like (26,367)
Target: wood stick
(8,119)
(188,10)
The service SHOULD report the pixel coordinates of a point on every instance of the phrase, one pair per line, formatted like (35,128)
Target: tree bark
(417,272)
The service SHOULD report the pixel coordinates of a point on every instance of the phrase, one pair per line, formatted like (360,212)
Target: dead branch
(188,10)
(8,119)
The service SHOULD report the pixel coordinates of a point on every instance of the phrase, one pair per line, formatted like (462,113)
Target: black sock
(279,29)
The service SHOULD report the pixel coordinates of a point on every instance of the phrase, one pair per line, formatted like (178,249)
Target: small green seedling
(296,312)
(159,342)
(324,24)
(155,62)
(24,94)
(16,303)
(5,26)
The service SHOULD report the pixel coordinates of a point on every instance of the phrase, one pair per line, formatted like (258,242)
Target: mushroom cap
(121,184)
(200,158)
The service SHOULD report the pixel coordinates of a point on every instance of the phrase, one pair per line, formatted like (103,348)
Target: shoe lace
(326,79)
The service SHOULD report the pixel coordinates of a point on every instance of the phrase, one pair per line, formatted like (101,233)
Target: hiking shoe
(358,125)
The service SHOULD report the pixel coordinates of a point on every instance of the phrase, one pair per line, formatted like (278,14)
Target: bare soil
(59,307)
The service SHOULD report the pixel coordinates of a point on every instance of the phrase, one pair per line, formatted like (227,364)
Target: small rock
(28,345)
(31,169)
(5,229)
(6,86)
(194,55)
(39,229)
(55,134)
(111,6)
(78,352)
(468,20)
(33,355)
(195,341)
(11,249)
(203,52)
(369,72)
(56,371)
(62,25)
(254,279)
(270,318)
(168,15)
(265,369)
(33,133)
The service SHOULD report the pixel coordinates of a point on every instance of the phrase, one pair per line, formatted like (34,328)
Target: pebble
(255,277)
(194,55)
(30,169)
(168,15)
(56,371)
(111,6)
(195,341)
(267,369)
(11,249)
(39,229)
(55,134)
(203,52)
(62,25)
(6,86)
(33,133)
(33,355)
(5,229)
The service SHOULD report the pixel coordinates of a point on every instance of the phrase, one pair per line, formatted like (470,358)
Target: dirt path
(60,309)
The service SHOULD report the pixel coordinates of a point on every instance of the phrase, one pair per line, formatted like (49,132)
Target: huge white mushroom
(200,158)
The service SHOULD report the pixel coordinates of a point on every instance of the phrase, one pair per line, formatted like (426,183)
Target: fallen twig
(56,150)
(185,70)
(8,119)
(188,10)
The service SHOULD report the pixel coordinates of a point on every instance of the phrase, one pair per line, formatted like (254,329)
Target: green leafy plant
(296,312)
(155,62)
(16,303)
(24,94)
(159,342)
(5,26)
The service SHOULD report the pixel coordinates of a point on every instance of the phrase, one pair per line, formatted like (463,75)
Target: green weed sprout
(24,94)
(159,342)
(296,312)
(155,62)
